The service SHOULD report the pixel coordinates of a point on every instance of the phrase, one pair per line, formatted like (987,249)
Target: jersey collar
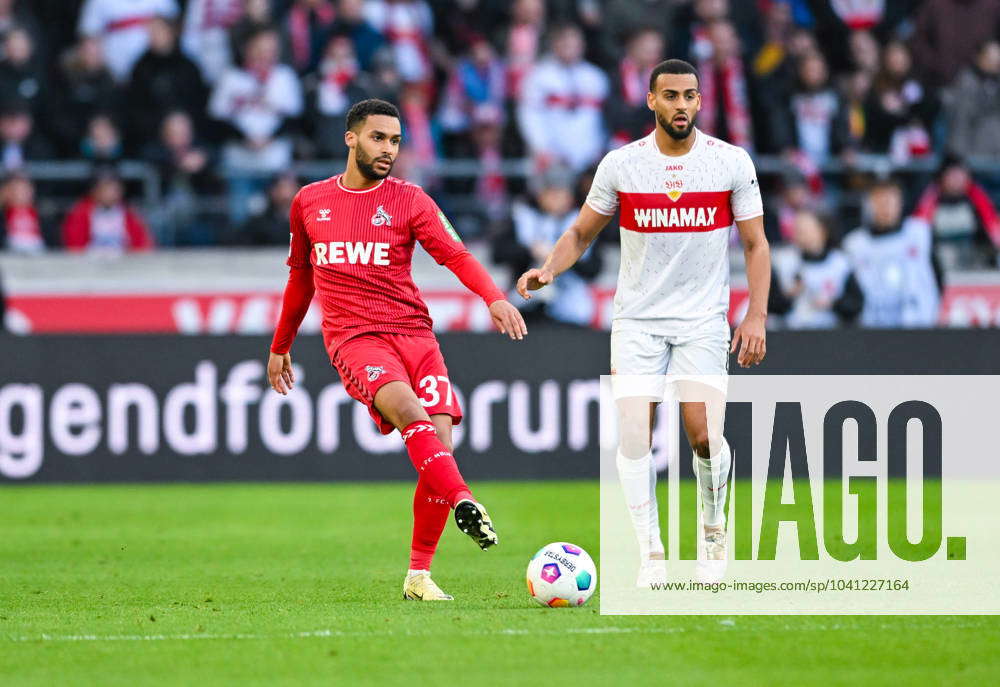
(698,142)
(341,186)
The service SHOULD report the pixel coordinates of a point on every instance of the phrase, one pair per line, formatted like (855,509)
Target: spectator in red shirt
(21,231)
(101,220)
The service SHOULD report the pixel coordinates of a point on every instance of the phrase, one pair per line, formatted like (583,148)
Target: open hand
(508,319)
(752,334)
(532,280)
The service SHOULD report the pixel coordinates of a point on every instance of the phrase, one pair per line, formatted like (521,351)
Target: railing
(64,180)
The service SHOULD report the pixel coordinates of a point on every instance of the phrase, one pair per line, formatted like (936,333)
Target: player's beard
(676,134)
(366,165)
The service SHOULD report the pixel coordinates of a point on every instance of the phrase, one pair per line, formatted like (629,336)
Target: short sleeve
(746,200)
(433,230)
(603,195)
(298,248)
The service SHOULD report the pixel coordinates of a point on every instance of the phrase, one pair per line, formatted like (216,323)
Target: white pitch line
(179,637)
(333,633)
(725,624)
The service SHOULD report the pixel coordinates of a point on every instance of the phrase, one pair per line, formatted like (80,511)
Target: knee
(636,443)
(405,414)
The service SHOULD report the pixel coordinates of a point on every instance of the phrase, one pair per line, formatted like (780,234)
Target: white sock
(411,573)
(638,479)
(713,481)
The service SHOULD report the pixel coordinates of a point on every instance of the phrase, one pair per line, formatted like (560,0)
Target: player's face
(375,145)
(675,100)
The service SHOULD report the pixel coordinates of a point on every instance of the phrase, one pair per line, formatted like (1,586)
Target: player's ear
(350,138)
(651,100)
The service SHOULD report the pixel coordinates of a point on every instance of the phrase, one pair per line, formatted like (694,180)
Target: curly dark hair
(672,67)
(361,110)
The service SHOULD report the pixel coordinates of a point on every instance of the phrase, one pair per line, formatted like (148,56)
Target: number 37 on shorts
(435,391)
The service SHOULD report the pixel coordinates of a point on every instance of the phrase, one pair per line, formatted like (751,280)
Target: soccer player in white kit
(678,192)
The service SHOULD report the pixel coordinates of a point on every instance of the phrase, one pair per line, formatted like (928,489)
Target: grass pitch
(301,584)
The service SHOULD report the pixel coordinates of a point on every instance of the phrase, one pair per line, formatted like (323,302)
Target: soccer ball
(561,574)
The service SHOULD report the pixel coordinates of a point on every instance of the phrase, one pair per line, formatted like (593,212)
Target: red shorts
(368,361)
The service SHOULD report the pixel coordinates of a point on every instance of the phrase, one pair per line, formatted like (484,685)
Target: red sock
(430,513)
(434,462)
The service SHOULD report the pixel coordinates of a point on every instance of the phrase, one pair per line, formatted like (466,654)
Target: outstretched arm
(298,295)
(568,249)
(751,331)
(440,239)
(475,278)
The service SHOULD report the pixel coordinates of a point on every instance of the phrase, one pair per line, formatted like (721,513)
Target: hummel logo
(324,215)
(374,372)
(381,217)
(425,427)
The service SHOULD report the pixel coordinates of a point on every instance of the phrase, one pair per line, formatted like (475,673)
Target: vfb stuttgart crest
(674,185)
(381,217)
(374,372)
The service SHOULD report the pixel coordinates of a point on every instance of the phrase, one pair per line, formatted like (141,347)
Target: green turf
(229,576)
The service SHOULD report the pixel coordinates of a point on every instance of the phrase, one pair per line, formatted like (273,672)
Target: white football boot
(419,586)
(651,572)
(714,557)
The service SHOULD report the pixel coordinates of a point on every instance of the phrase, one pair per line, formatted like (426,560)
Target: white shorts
(642,363)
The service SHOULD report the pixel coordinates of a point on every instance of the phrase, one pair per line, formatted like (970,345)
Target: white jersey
(823,281)
(560,112)
(896,274)
(121,26)
(676,215)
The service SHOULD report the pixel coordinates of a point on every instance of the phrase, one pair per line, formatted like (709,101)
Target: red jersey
(360,246)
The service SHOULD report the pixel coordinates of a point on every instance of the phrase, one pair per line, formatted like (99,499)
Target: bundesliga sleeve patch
(448,228)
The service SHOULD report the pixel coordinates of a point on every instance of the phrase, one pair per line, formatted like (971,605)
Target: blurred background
(150,148)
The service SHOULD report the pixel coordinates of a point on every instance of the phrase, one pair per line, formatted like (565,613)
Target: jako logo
(324,215)
(381,217)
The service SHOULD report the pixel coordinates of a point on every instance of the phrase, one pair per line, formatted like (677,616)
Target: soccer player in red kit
(352,240)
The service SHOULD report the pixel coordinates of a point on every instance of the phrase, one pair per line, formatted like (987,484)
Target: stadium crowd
(228,99)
